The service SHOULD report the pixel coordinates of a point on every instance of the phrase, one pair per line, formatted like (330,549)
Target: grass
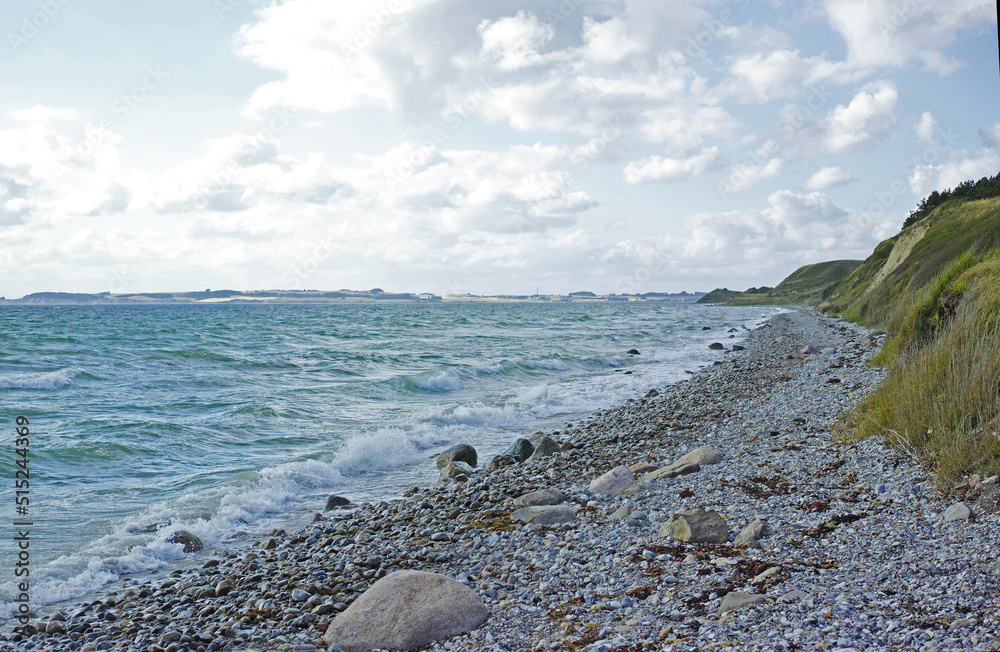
(941,305)
(941,401)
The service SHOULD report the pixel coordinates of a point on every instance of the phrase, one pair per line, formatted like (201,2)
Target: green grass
(941,307)
(941,401)
(805,286)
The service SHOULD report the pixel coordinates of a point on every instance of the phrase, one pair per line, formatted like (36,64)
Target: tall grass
(941,400)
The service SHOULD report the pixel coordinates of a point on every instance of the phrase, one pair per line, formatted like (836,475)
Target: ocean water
(230,419)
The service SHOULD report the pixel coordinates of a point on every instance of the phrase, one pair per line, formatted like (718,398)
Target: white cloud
(868,117)
(669,170)
(892,32)
(828,177)
(926,127)
(608,41)
(42,113)
(991,136)
(686,128)
(861,123)
(747,175)
(513,42)
(965,166)
(765,76)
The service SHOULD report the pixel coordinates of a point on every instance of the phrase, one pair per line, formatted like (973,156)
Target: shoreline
(608,580)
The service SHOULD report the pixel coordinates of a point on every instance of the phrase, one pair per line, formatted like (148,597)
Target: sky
(450,146)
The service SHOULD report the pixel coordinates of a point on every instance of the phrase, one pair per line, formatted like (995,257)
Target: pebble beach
(589,542)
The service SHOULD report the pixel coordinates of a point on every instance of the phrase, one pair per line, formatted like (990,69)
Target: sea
(230,419)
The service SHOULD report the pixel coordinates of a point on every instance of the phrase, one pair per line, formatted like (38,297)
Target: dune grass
(941,399)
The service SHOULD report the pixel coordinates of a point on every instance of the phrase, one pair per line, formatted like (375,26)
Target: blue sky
(495,147)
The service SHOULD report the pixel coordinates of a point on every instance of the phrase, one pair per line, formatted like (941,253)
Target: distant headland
(322,296)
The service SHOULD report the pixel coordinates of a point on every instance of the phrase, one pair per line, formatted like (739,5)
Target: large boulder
(520,450)
(749,536)
(190,541)
(671,471)
(406,610)
(619,481)
(456,471)
(545,448)
(735,600)
(541,497)
(702,456)
(545,515)
(500,461)
(696,526)
(333,502)
(459,453)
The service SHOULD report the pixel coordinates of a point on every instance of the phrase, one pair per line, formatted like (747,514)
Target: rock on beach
(406,610)
(619,481)
(696,526)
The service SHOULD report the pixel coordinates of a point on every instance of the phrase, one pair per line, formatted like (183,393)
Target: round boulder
(190,542)
(406,610)
(459,453)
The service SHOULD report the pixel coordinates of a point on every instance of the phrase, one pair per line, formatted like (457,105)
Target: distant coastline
(323,296)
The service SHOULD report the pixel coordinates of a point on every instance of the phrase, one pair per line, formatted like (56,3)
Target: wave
(41,380)
(441,381)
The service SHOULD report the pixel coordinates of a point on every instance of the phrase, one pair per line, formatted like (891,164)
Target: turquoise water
(228,419)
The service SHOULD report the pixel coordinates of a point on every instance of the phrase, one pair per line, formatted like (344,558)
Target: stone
(545,448)
(520,450)
(190,542)
(653,393)
(545,515)
(459,453)
(633,352)
(224,587)
(300,595)
(500,461)
(749,535)
(334,502)
(55,627)
(641,468)
(619,514)
(736,347)
(619,481)
(702,456)
(406,610)
(809,350)
(671,471)
(794,596)
(957,512)
(541,497)
(696,526)
(716,346)
(736,600)
(456,471)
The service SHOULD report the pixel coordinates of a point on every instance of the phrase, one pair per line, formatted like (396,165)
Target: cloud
(42,113)
(965,166)
(764,76)
(513,42)
(747,175)
(991,136)
(892,33)
(828,177)
(669,170)
(926,127)
(861,123)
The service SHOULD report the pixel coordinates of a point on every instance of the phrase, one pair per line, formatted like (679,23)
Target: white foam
(41,380)
(551,364)
(443,381)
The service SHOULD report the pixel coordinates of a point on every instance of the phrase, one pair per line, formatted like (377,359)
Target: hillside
(718,295)
(935,288)
(806,286)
